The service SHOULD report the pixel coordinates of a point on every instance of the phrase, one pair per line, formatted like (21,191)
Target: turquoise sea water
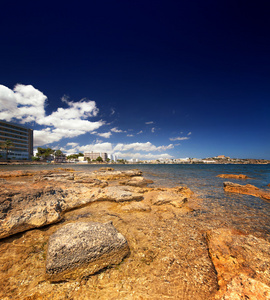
(217,209)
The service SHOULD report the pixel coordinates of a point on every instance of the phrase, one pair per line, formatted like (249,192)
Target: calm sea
(218,209)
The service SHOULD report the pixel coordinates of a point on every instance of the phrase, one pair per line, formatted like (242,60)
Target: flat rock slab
(119,194)
(23,208)
(247,189)
(242,263)
(136,181)
(81,249)
(234,176)
(114,175)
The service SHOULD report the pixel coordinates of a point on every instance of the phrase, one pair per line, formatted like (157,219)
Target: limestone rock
(247,189)
(81,249)
(114,175)
(119,194)
(136,181)
(29,209)
(234,176)
(243,287)
(13,174)
(175,196)
(239,259)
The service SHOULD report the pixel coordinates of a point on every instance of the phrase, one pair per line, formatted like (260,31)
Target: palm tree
(7,145)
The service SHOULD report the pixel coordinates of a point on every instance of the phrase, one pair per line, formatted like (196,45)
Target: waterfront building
(94,155)
(21,139)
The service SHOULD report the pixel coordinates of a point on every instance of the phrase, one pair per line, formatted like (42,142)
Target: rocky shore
(113,235)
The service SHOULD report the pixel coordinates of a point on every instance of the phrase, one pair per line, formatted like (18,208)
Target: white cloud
(112,111)
(130,135)
(179,138)
(153,129)
(150,122)
(149,156)
(189,133)
(141,147)
(116,130)
(26,104)
(72,144)
(140,132)
(105,134)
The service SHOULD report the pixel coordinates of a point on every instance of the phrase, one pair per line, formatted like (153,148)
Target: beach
(187,237)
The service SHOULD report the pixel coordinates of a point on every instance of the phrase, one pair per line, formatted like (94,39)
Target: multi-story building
(21,141)
(93,156)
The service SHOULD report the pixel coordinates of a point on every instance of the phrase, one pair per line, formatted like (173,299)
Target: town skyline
(140,80)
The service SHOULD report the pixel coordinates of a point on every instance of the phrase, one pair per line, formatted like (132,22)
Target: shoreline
(173,237)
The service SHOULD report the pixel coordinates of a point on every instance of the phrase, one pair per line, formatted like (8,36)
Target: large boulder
(247,189)
(81,249)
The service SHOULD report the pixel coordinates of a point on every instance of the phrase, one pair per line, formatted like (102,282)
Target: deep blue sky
(198,70)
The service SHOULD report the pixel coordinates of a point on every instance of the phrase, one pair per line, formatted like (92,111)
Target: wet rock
(242,263)
(243,287)
(81,249)
(234,176)
(136,206)
(167,197)
(136,181)
(174,196)
(13,174)
(247,189)
(105,169)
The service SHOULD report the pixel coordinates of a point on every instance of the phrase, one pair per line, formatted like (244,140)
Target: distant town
(16,145)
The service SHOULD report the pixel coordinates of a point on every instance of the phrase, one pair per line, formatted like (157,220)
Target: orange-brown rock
(242,263)
(12,174)
(114,175)
(247,189)
(136,181)
(233,176)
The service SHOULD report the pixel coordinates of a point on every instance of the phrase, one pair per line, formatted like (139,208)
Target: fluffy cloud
(143,156)
(125,151)
(141,147)
(189,133)
(179,138)
(105,134)
(24,103)
(27,104)
(150,122)
(98,147)
(116,130)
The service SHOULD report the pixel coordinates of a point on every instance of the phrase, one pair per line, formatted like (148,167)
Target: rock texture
(136,181)
(234,176)
(81,249)
(24,209)
(242,263)
(115,175)
(247,189)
